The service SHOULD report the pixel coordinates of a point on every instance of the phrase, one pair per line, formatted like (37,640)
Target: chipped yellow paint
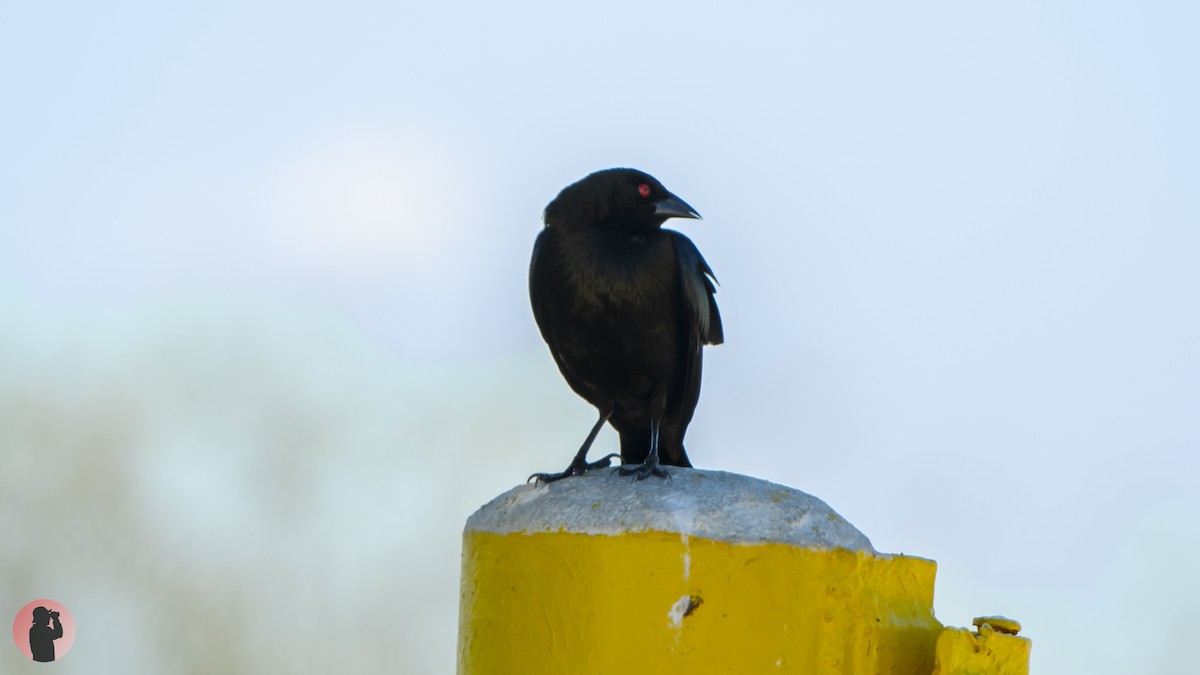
(961,652)
(1001,624)
(658,602)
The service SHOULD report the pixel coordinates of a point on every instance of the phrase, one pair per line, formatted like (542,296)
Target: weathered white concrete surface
(693,502)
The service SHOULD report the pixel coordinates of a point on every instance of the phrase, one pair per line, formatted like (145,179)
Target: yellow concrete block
(962,652)
(656,602)
(613,587)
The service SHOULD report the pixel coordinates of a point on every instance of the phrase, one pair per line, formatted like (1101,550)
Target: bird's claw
(576,469)
(644,471)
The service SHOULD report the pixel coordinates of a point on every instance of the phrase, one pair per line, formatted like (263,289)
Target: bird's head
(625,199)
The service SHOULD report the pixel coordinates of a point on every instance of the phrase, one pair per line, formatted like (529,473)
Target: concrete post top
(711,504)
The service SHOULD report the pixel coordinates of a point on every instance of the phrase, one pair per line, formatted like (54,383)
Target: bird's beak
(674,207)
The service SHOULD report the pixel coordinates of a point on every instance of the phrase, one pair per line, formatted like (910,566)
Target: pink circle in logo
(44,630)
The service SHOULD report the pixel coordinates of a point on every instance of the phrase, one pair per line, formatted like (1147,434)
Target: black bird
(626,308)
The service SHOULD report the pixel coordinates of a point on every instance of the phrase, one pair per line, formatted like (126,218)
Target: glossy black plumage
(626,308)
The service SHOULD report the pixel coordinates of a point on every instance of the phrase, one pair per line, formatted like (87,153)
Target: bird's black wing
(701,325)
(699,289)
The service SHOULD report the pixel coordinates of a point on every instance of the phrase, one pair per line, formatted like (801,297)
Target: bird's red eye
(644,190)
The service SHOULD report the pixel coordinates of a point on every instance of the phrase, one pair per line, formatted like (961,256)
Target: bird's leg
(580,465)
(651,466)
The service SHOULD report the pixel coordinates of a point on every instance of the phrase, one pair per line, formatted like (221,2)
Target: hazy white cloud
(357,198)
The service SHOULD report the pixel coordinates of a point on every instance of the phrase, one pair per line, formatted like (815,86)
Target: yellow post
(707,572)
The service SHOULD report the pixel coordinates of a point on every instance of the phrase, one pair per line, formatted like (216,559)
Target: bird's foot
(644,470)
(577,468)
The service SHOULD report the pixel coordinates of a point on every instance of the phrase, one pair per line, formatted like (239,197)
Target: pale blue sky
(957,244)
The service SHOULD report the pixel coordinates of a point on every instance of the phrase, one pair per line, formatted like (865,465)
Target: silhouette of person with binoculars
(42,635)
